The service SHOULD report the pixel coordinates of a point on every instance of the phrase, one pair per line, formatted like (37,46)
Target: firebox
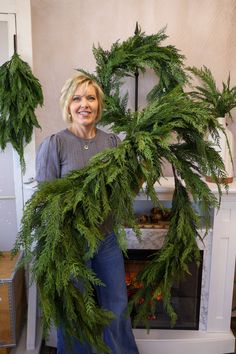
(185,294)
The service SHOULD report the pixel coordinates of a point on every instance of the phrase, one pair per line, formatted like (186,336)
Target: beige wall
(64,32)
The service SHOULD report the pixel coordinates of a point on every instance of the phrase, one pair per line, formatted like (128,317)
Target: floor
(47,350)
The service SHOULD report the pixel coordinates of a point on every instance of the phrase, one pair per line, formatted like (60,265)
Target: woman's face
(84,106)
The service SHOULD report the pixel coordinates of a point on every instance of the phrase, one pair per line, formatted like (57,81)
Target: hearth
(186,294)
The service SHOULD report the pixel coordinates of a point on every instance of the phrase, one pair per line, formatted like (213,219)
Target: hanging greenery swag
(20,94)
(60,227)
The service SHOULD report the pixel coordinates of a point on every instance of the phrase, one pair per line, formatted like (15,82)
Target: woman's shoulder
(54,139)
(48,158)
(112,139)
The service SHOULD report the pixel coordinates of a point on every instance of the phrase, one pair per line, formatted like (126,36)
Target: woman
(82,102)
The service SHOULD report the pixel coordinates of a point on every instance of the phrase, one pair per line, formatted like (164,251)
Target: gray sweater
(64,152)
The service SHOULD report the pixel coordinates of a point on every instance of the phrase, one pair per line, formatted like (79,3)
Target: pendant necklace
(85,143)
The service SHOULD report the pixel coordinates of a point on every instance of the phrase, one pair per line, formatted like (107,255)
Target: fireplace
(186,294)
(213,335)
(218,251)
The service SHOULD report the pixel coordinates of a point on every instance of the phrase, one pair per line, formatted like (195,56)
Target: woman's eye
(76,98)
(79,98)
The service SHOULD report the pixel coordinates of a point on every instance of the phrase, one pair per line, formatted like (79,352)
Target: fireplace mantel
(214,335)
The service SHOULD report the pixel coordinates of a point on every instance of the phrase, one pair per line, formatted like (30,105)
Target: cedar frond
(20,94)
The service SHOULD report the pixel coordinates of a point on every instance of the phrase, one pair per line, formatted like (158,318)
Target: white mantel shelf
(166,188)
(214,335)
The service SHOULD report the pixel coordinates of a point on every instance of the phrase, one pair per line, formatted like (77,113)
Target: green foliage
(20,94)
(221,101)
(60,227)
(138,52)
(61,224)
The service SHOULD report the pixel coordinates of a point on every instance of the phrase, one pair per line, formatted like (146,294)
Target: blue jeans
(108,264)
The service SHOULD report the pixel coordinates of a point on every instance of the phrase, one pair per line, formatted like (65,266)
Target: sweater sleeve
(114,140)
(48,160)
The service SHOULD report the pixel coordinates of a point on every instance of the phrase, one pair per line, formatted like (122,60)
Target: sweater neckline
(83,139)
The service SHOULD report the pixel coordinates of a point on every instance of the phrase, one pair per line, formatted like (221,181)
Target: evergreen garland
(60,227)
(20,94)
(138,52)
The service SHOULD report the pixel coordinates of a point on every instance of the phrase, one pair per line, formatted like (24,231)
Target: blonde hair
(68,91)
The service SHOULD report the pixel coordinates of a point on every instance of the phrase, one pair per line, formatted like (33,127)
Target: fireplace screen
(185,293)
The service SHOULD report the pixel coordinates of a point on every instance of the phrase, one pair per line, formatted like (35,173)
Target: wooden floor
(47,350)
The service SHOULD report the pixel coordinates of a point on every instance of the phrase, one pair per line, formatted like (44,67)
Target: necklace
(86,143)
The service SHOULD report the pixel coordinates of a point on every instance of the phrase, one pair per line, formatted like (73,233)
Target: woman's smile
(85,113)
